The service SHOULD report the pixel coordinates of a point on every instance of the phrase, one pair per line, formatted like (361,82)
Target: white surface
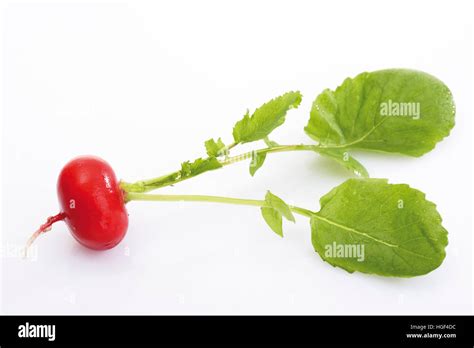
(143,84)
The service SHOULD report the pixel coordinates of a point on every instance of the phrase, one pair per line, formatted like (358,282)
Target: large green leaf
(399,231)
(266,118)
(396,110)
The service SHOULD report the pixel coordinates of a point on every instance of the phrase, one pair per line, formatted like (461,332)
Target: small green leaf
(199,166)
(214,148)
(396,110)
(256,162)
(270,143)
(266,118)
(279,205)
(273,219)
(343,157)
(371,226)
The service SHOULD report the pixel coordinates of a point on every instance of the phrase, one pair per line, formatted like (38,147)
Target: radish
(93,201)
(92,204)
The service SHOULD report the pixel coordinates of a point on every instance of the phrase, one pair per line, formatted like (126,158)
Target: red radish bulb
(92,204)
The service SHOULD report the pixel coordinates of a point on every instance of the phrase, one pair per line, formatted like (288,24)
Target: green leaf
(397,110)
(279,205)
(343,157)
(266,118)
(199,166)
(256,162)
(270,143)
(398,231)
(273,219)
(214,148)
(273,212)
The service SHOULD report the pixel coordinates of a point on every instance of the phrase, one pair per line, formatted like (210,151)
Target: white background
(143,84)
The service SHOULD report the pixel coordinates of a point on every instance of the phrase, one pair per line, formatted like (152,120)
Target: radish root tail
(43,228)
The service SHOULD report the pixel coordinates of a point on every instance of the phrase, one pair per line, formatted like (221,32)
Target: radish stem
(133,196)
(175,177)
